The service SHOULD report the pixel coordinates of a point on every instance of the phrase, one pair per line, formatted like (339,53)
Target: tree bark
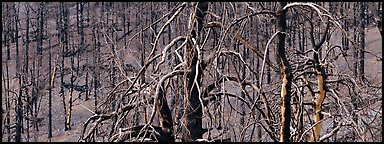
(72,62)
(192,79)
(26,57)
(50,92)
(361,40)
(355,36)
(286,76)
(7,77)
(19,109)
(321,77)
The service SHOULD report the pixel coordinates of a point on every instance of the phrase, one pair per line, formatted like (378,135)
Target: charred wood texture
(286,73)
(192,79)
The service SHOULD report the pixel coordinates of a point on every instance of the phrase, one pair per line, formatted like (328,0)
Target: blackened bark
(268,69)
(165,116)
(50,93)
(379,26)
(40,40)
(193,107)
(72,61)
(96,60)
(355,49)
(6,84)
(361,39)
(64,48)
(40,32)
(286,75)
(8,100)
(19,110)
(379,21)
(344,40)
(321,77)
(26,57)
(201,11)
(7,32)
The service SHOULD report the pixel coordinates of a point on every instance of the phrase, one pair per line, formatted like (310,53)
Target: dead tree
(321,77)
(26,66)
(379,26)
(19,109)
(286,73)
(192,79)
(6,29)
(378,20)
(361,31)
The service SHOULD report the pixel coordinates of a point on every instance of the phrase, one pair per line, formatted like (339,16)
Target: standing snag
(286,74)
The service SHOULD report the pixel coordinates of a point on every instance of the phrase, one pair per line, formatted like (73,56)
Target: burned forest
(191,71)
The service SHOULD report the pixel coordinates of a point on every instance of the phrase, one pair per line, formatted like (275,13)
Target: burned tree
(286,72)
(192,80)
(199,72)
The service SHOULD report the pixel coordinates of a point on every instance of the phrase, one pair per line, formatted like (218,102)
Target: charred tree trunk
(6,33)
(192,80)
(40,32)
(243,77)
(95,65)
(82,45)
(109,10)
(71,89)
(164,113)
(142,62)
(379,20)
(355,49)
(7,103)
(257,77)
(25,71)
(268,32)
(321,77)
(19,109)
(38,84)
(50,91)
(361,40)
(8,30)
(286,75)
(379,26)
(345,42)
(95,80)
(64,48)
